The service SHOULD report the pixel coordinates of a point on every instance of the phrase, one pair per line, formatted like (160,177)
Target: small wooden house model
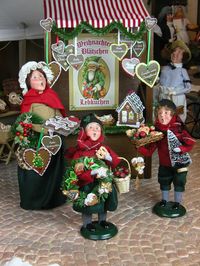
(130,111)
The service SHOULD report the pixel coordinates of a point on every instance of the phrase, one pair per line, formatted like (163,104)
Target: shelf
(9,113)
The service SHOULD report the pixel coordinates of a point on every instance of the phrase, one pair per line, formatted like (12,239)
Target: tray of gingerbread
(63,125)
(144,135)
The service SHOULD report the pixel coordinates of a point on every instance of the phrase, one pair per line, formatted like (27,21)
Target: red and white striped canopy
(98,13)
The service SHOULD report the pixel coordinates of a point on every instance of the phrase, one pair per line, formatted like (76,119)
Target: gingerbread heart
(150,22)
(29,156)
(129,65)
(46,24)
(119,50)
(58,47)
(138,47)
(62,58)
(52,144)
(76,61)
(56,70)
(148,73)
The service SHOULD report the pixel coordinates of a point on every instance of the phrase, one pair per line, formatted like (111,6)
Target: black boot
(90,227)
(176,206)
(162,203)
(104,224)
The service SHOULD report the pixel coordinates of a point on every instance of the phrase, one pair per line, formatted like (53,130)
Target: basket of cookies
(143,135)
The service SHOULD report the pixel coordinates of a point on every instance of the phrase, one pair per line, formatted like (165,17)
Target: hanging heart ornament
(119,50)
(150,22)
(129,65)
(75,61)
(148,73)
(58,47)
(138,47)
(56,70)
(46,24)
(29,155)
(52,144)
(62,58)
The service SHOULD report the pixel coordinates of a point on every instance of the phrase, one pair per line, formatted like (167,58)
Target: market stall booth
(97,45)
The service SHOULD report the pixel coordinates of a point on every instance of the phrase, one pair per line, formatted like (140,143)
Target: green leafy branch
(84,26)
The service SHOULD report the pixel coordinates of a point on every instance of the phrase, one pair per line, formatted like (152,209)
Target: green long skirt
(42,192)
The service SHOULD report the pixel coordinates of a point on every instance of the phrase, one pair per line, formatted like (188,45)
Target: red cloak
(49,97)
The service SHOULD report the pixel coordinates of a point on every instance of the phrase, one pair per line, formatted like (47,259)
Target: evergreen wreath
(103,184)
(25,136)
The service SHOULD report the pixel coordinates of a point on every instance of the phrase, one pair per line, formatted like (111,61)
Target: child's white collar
(177,64)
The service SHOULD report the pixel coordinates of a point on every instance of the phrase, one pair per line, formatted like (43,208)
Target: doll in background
(165,22)
(174,79)
(182,24)
(41,192)
(168,34)
(173,158)
(90,144)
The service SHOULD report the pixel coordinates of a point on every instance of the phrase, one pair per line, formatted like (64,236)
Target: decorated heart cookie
(138,47)
(129,65)
(46,24)
(56,69)
(58,47)
(148,73)
(62,58)
(75,61)
(43,154)
(119,50)
(150,22)
(52,144)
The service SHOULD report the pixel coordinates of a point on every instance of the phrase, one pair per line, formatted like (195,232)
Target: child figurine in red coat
(90,145)
(173,158)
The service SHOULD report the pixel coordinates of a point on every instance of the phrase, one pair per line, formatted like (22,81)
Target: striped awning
(98,13)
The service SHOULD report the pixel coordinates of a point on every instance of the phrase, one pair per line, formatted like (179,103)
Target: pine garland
(84,26)
(112,130)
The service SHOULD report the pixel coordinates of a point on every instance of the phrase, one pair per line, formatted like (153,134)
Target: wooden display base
(100,232)
(168,211)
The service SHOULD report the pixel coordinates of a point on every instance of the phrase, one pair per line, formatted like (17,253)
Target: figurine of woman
(37,191)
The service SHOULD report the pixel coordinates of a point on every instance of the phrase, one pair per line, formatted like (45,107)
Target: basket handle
(129,167)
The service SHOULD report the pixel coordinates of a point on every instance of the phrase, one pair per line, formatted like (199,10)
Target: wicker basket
(106,122)
(14,107)
(3,105)
(123,184)
(109,122)
(5,136)
(147,140)
(10,85)
(19,156)
(180,110)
